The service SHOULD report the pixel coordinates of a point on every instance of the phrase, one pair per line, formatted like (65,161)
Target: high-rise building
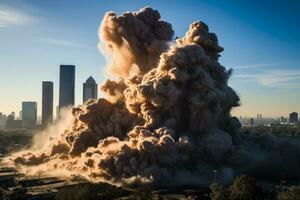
(259,116)
(90,89)
(66,85)
(251,121)
(2,121)
(29,113)
(47,102)
(293,118)
(12,123)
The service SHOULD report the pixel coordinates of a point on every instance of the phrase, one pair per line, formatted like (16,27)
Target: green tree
(245,188)
(217,192)
(293,193)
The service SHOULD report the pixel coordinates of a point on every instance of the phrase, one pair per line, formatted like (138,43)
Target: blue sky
(261,41)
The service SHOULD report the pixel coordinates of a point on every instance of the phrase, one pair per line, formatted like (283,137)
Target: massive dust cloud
(166,121)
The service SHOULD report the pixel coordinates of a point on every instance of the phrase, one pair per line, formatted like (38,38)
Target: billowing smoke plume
(168,121)
(135,40)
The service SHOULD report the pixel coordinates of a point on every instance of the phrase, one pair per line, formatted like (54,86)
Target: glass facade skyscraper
(47,102)
(90,89)
(29,113)
(66,85)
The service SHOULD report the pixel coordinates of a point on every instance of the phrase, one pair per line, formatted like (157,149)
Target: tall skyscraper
(29,113)
(47,102)
(293,118)
(90,89)
(66,85)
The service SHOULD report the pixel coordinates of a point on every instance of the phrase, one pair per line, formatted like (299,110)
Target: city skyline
(265,60)
(89,90)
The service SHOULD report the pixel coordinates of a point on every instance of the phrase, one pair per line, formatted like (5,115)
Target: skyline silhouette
(261,39)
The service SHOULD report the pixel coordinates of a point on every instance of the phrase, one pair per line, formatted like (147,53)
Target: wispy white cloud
(287,79)
(279,77)
(17,14)
(11,18)
(262,65)
(245,76)
(64,43)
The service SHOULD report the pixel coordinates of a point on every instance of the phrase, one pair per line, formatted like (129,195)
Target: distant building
(29,113)
(251,121)
(10,118)
(11,123)
(90,89)
(2,120)
(66,85)
(259,116)
(293,119)
(47,102)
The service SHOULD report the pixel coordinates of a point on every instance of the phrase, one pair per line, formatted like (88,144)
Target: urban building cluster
(28,115)
(291,120)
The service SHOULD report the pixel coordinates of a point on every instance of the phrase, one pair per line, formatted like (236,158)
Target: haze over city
(262,45)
